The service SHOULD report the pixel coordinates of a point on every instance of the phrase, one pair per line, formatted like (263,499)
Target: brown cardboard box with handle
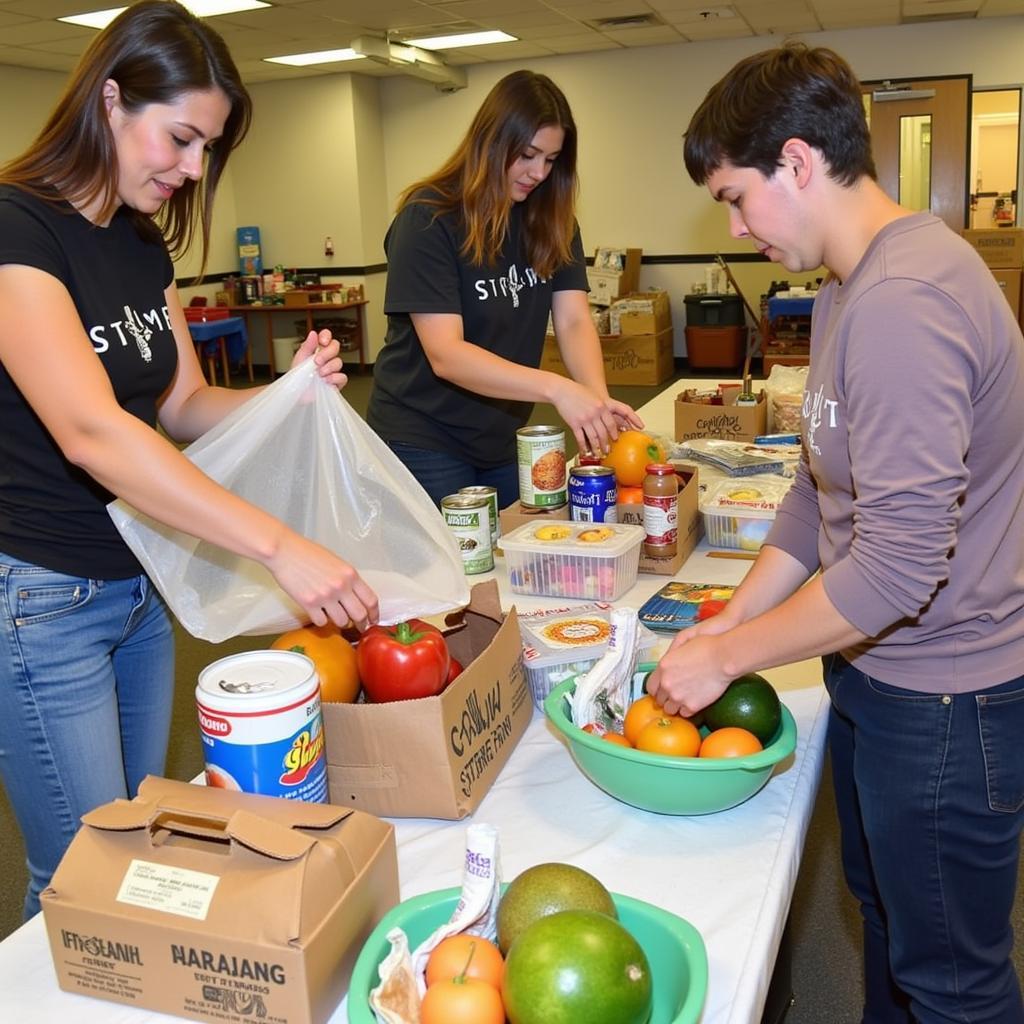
(219,906)
(436,757)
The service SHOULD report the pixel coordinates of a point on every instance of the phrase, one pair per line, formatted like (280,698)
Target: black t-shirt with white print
(504,309)
(52,513)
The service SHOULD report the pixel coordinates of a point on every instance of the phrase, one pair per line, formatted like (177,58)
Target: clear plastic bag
(301,453)
(785,392)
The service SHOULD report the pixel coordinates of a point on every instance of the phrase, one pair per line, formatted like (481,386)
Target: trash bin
(284,351)
(716,348)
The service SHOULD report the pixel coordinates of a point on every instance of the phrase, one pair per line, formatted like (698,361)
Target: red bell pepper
(402,662)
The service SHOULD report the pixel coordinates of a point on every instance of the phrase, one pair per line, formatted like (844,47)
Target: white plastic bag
(301,453)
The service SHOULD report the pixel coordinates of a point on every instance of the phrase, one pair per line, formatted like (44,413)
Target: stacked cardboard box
(1003,250)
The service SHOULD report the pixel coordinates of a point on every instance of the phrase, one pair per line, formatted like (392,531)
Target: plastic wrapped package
(299,451)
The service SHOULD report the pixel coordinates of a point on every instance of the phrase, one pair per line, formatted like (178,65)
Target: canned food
(262,732)
(468,517)
(593,496)
(541,456)
(491,494)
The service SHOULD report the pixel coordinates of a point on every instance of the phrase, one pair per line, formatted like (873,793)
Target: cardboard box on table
(628,359)
(998,247)
(729,421)
(219,906)
(690,523)
(436,757)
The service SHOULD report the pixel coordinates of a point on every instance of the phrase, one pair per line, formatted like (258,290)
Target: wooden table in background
(309,310)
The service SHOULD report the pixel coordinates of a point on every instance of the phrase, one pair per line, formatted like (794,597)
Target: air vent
(647,20)
(919,19)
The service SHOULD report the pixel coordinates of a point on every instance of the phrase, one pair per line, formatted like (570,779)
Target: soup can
(540,452)
(261,727)
(469,518)
(593,496)
(491,494)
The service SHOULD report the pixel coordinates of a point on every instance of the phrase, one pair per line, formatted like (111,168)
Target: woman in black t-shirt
(479,255)
(94,354)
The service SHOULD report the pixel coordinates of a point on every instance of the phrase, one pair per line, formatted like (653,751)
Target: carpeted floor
(824,926)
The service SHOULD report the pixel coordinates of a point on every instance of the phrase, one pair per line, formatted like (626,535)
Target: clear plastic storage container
(739,511)
(562,643)
(598,561)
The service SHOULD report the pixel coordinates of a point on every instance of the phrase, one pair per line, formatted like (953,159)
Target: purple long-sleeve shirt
(910,497)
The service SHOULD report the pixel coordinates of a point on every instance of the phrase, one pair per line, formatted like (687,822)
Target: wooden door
(929,122)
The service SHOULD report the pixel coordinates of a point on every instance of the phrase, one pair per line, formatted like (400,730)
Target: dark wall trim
(381,268)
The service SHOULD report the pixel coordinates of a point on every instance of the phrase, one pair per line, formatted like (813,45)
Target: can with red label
(261,727)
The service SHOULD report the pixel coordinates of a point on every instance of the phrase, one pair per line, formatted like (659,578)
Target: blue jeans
(930,795)
(440,474)
(86,684)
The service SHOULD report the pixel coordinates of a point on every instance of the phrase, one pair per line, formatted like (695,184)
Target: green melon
(546,889)
(577,966)
(749,702)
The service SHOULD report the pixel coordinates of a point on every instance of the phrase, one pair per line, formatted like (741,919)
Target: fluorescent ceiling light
(466,39)
(301,60)
(200,8)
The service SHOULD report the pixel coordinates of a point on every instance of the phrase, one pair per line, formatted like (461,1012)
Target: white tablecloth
(730,874)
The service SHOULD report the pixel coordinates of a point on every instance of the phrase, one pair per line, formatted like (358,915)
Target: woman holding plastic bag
(95,354)
(479,255)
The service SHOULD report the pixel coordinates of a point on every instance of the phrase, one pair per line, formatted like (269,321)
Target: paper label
(172,890)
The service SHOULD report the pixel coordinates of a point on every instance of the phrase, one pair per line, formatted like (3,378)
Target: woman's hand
(691,675)
(327,587)
(323,347)
(594,419)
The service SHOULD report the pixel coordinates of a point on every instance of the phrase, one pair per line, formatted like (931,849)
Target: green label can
(491,494)
(468,517)
(540,453)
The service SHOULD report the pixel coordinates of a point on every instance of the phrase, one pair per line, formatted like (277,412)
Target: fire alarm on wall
(328,246)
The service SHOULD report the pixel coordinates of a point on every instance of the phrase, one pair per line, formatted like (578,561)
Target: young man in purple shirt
(898,555)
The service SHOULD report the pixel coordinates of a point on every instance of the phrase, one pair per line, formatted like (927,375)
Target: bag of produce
(299,451)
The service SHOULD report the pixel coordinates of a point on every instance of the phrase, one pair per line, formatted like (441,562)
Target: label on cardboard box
(169,889)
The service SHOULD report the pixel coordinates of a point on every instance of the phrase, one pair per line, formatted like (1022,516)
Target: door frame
(869,85)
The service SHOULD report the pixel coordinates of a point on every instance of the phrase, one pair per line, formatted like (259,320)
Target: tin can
(541,455)
(593,495)
(261,727)
(491,494)
(469,518)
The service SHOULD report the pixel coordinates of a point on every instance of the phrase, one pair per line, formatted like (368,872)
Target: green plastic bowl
(674,948)
(668,785)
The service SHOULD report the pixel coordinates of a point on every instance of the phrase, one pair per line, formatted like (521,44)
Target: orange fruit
(638,714)
(731,741)
(333,656)
(629,456)
(630,495)
(462,955)
(469,1001)
(617,738)
(669,734)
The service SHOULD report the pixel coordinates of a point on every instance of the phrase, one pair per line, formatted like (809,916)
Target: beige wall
(328,155)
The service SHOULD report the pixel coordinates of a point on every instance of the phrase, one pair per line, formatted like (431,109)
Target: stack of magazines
(737,458)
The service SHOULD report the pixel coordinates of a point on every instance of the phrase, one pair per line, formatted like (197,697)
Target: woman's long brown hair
(156,51)
(473,182)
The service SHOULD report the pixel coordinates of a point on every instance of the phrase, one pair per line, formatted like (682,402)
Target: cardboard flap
(483,600)
(120,816)
(268,837)
(201,801)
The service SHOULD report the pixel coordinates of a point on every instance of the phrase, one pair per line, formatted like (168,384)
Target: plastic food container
(674,948)
(563,643)
(598,561)
(669,785)
(739,511)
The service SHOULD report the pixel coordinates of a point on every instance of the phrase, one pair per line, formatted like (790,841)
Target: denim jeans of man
(440,474)
(930,796)
(86,683)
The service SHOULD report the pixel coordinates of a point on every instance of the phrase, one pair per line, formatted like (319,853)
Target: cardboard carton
(641,313)
(690,522)
(638,359)
(436,757)
(1009,282)
(729,421)
(219,906)
(606,284)
(998,247)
